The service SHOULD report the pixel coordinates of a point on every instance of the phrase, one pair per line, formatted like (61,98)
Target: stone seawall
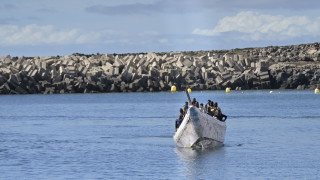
(274,67)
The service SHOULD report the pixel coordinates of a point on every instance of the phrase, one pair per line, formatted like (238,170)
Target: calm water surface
(129,136)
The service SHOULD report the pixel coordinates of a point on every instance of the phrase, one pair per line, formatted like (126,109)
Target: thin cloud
(46,10)
(7,6)
(191,6)
(136,8)
(261,4)
(13,35)
(255,26)
(163,6)
(164,40)
(149,33)
(7,20)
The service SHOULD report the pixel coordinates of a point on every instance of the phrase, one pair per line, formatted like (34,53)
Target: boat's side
(208,126)
(198,129)
(186,135)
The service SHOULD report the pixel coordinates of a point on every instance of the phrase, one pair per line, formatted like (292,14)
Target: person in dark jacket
(211,109)
(207,105)
(218,113)
(180,118)
(185,107)
(194,102)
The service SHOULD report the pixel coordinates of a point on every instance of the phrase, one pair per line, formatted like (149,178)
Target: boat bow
(199,128)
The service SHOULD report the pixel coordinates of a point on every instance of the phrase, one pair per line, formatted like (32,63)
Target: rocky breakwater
(286,67)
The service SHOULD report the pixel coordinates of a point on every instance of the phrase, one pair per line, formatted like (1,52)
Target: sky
(64,27)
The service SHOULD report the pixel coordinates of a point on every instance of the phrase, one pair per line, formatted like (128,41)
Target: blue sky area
(63,27)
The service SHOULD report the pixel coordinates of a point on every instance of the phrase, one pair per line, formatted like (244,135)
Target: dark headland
(273,67)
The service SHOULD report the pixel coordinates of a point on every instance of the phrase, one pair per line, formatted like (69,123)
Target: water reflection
(202,163)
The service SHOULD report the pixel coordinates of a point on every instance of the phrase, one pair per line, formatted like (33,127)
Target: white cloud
(88,37)
(163,40)
(149,33)
(11,35)
(34,34)
(255,26)
(189,40)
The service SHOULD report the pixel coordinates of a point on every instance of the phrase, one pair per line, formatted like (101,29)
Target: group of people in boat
(211,108)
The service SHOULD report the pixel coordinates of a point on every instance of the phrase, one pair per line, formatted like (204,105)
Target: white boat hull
(199,129)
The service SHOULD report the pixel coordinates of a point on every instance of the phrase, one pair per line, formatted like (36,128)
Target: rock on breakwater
(274,67)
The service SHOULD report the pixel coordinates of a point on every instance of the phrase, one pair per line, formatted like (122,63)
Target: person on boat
(211,109)
(207,106)
(185,107)
(201,108)
(218,113)
(180,118)
(194,102)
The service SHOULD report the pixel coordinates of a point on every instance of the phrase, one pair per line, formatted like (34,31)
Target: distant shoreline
(273,67)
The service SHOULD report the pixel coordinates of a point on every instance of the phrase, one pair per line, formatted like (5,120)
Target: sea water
(129,136)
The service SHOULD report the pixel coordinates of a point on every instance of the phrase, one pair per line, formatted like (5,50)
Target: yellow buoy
(316,91)
(271,92)
(189,90)
(173,88)
(228,90)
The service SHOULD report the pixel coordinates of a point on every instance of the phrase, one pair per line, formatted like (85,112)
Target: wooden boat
(199,130)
